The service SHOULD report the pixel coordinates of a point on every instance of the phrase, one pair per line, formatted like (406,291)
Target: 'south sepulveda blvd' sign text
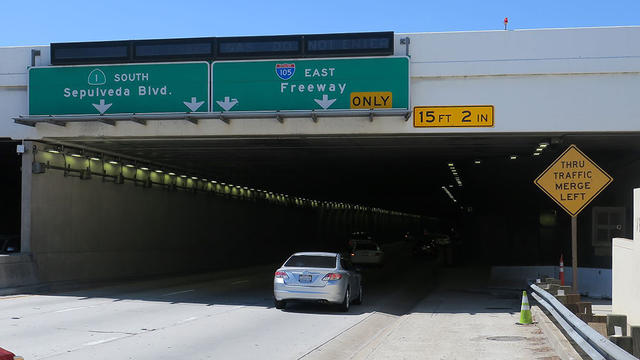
(573,180)
(110,89)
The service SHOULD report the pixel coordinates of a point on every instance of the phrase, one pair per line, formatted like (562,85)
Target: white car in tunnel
(317,277)
(367,253)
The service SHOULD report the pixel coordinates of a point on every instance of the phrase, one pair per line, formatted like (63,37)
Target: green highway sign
(310,84)
(111,89)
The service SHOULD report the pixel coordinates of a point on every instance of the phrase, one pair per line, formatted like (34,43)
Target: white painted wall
(626,270)
(14,62)
(592,282)
(546,80)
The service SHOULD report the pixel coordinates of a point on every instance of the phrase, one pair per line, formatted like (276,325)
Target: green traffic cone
(525,311)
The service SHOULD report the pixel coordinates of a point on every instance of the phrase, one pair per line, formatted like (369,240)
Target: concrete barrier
(614,321)
(635,336)
(17,270)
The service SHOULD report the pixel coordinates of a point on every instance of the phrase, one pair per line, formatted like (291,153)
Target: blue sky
(42,22)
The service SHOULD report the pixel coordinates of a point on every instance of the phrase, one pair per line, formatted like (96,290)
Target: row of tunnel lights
(541,147)
(335,205)
(456,176)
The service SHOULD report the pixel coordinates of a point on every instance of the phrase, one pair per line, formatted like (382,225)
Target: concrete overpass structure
(297,177)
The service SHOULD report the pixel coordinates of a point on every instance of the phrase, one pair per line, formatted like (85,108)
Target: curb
(558,341)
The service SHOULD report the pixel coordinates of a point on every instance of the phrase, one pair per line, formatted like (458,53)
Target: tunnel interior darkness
(495,207)
(10,185)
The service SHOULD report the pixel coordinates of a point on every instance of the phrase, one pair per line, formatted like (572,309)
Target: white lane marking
(75,308)
(101,341)
(187,320)
(178,292)
(239,282)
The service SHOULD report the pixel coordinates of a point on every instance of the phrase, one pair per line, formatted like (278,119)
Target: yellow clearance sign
(573,180)
(453,116)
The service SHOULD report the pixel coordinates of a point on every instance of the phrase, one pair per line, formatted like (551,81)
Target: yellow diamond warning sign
(573,180)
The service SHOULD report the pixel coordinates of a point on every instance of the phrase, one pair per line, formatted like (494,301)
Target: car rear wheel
(347,301)
(280,304)
(358,300)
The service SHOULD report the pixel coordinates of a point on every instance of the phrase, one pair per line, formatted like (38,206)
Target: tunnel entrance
(10,189)
(477,189)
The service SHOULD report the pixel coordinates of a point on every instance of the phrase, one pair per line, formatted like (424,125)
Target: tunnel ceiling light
(543,145)
(539,149)
(76,155)
(95,158)
(477,162)
(53,151)
(194,178)
(113,162)
(159,171)
(513,157)
(450,164)
(172,173)
(205,180)
(214,182)
(444,188)
(183,176)
(144,168)
(536,154)
(130,165)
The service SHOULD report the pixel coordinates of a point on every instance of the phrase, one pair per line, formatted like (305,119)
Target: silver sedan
(319,277)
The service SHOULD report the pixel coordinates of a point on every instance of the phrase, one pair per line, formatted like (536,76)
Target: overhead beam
(226,117)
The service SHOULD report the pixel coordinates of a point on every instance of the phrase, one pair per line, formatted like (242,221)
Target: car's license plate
(305,278)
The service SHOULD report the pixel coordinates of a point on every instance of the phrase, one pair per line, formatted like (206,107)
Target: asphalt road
(224,315)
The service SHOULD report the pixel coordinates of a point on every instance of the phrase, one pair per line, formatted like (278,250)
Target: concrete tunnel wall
(85,230)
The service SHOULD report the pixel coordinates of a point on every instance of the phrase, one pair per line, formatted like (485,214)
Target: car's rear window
(366,246)
(316,261)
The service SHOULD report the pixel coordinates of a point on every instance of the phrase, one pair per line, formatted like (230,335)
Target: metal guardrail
(589,340)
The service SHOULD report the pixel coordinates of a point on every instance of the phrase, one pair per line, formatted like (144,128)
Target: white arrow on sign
(325,102)
(102,107)
(227,104)
(193,105)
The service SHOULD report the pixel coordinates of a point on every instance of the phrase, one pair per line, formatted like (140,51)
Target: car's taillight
(353,254)
(281,275)
(332,276)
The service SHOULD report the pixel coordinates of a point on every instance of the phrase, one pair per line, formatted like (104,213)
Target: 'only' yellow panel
(371,100)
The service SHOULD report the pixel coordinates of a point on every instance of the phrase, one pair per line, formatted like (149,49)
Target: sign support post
(572,181)
(574,253)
